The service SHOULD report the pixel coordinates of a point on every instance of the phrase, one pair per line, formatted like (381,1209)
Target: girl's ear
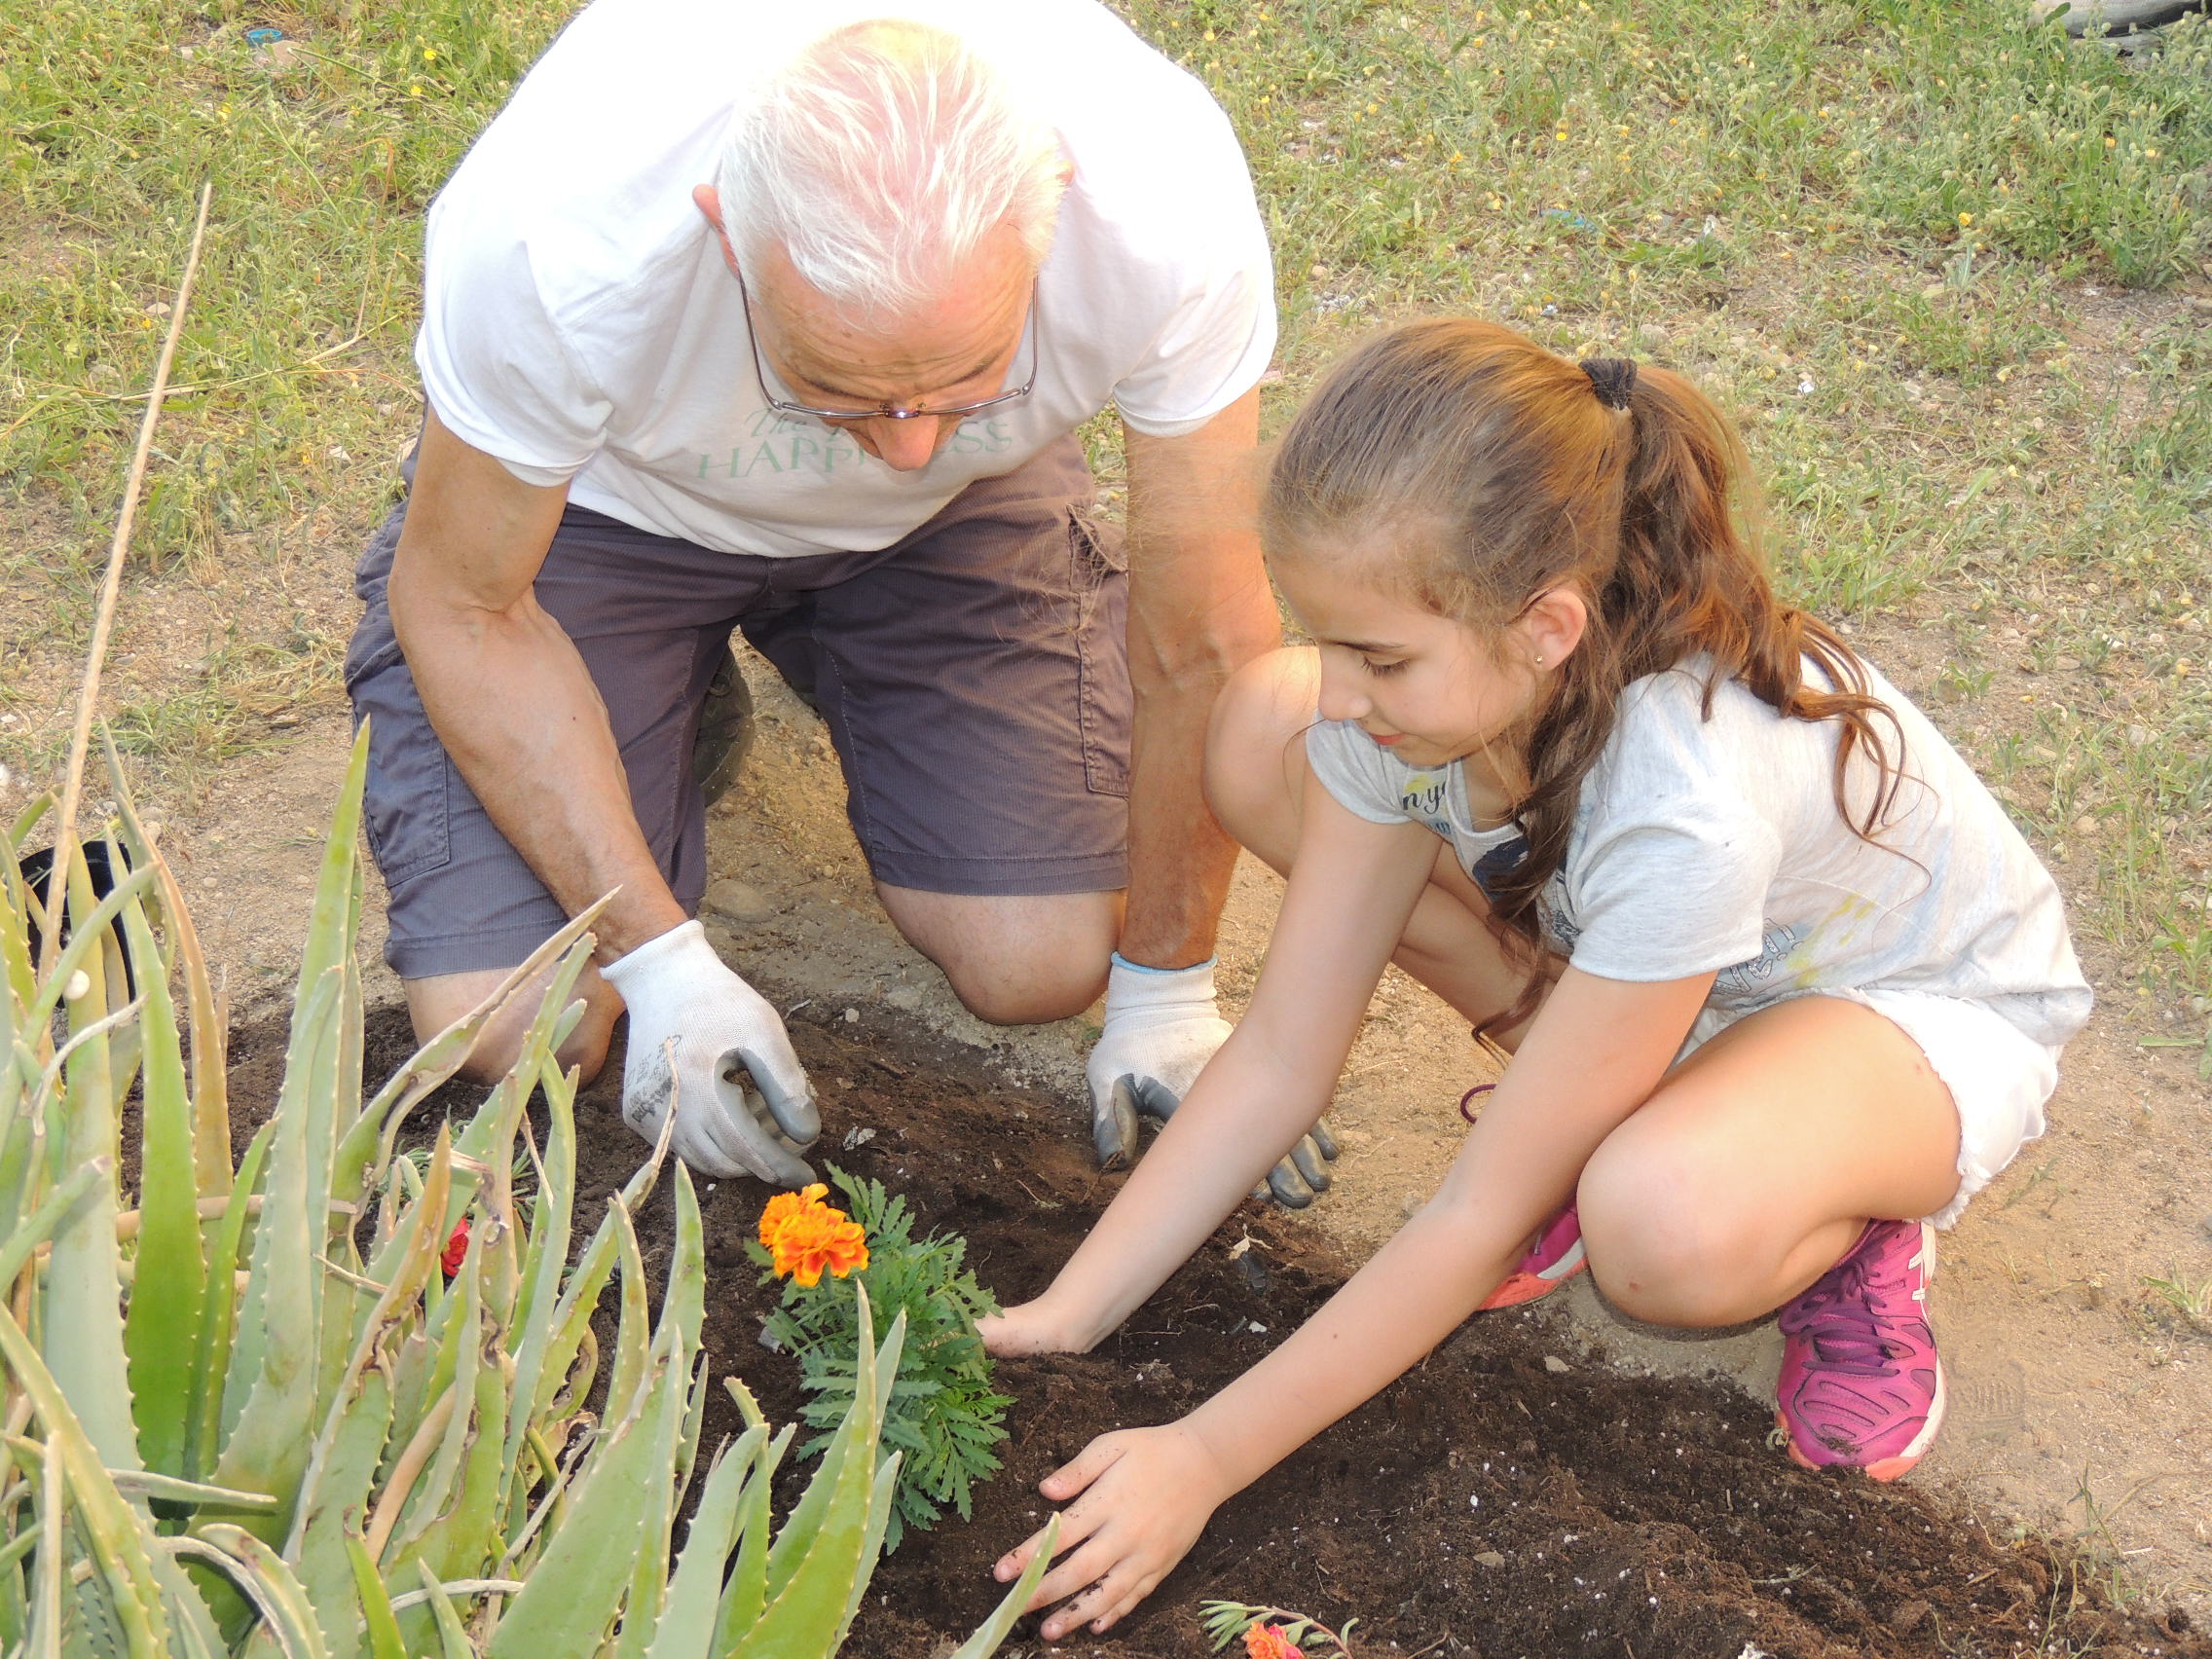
(1553,625)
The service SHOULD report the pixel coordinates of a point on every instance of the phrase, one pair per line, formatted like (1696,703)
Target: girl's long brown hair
(1474,470)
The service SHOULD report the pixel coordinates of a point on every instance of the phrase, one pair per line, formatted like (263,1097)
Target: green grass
(1924,250)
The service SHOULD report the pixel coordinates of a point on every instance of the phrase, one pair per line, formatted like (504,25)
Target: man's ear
(708,200)
(1553,625)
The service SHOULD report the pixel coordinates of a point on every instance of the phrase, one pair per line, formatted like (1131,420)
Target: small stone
(1555,1365)
(737,900)
(2085,824)
(1488,1558)
(852,1017)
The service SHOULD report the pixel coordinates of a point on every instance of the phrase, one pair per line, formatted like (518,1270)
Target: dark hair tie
(1612,379)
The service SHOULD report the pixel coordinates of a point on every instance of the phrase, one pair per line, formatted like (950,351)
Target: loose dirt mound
(1499,1501)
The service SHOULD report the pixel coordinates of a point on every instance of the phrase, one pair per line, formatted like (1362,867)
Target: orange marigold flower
(782,1206)
(1266,1641)
(804,1237)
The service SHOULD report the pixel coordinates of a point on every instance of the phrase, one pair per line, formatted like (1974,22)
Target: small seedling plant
(942,1414)
(1274,1633)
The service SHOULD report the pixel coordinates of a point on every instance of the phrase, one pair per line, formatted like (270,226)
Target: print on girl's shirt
(1755,975)
(1500,861)
(1421,796)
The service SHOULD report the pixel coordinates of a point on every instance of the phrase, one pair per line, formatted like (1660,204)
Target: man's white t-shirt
(581,325)
(1705,844)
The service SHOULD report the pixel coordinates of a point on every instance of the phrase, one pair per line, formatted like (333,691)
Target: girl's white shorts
(1999,1077)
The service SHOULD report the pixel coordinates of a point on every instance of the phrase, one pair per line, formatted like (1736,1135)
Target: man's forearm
(516,708)
(1180,858)
(1199,609)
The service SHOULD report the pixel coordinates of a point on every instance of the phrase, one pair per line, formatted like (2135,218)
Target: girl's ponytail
(1685,559)
(1495,471)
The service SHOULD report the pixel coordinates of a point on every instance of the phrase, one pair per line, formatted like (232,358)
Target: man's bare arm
(1199,609)
(507,691)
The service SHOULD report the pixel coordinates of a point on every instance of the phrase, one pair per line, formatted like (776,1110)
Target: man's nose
(906,446)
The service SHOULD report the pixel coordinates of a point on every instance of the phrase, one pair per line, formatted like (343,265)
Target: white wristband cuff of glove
(672,956)
(1132,989)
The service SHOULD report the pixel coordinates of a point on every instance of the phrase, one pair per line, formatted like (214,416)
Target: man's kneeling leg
(1013,959)
(438,1001)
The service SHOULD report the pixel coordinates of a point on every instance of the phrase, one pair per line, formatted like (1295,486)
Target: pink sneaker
(1555,1258)
(1861,1384)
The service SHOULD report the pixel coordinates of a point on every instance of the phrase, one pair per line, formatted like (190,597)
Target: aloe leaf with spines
(442,1443)
(85,1352)
(161,1331)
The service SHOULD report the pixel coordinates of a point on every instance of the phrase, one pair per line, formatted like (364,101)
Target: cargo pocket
(407,801)
(1099,580)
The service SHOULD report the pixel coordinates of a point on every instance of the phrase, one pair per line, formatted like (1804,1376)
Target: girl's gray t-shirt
(1711,843)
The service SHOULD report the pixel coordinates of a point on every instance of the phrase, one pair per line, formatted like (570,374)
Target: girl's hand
(1025,1328)
(1146,1494)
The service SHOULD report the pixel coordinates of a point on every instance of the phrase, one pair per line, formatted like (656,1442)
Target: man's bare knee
(435,1003)
(1012,959)
(1033,992)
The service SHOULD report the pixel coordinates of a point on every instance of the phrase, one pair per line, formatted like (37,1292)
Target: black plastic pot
(36,866)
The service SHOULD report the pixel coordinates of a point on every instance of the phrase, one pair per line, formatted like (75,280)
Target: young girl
(1781,976)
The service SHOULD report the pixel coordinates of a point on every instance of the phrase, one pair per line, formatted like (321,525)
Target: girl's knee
(1252,743)
(1666,1244)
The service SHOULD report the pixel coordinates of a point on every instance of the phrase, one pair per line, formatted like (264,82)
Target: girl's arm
(1595,1054)
(1352,891)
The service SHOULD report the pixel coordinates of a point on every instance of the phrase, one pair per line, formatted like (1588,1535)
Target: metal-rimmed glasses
(886,410)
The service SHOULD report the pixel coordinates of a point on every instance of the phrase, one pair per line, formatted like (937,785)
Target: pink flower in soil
(1267,1641)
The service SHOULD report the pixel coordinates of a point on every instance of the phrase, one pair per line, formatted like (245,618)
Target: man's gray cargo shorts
(973,676)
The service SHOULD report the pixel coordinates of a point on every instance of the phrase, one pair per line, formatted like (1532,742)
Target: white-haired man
(737,320)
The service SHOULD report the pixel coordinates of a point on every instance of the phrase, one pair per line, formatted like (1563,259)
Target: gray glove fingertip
(740,1126)
(1325,1141)
(793,1107)
(1113,1127)
(1306,1156)
(703,1153)
(1288,1186)
(1154,1099)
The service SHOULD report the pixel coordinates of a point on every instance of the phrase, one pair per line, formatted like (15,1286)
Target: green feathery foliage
(943,1416)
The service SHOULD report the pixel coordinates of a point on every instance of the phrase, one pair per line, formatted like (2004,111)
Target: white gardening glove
(1161,1027)
(686,1003)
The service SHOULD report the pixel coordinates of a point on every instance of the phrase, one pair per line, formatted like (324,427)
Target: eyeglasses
(886,410)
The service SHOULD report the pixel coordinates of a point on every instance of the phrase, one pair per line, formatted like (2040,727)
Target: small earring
(1540,662)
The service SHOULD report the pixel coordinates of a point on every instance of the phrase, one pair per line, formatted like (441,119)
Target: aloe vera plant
(252,1416)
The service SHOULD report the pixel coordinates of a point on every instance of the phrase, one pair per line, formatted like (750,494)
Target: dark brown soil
(1488,1503)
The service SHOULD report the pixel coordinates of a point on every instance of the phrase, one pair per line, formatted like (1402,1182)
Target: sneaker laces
(1838,1317)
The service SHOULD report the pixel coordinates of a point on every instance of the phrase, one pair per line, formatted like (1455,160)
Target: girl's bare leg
(1256,781)
(1757,1162)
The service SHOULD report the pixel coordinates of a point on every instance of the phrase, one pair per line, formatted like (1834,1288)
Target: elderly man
(733,320)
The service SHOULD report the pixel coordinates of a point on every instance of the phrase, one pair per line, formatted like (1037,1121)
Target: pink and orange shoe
(1861,1384)
(1555,1258)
